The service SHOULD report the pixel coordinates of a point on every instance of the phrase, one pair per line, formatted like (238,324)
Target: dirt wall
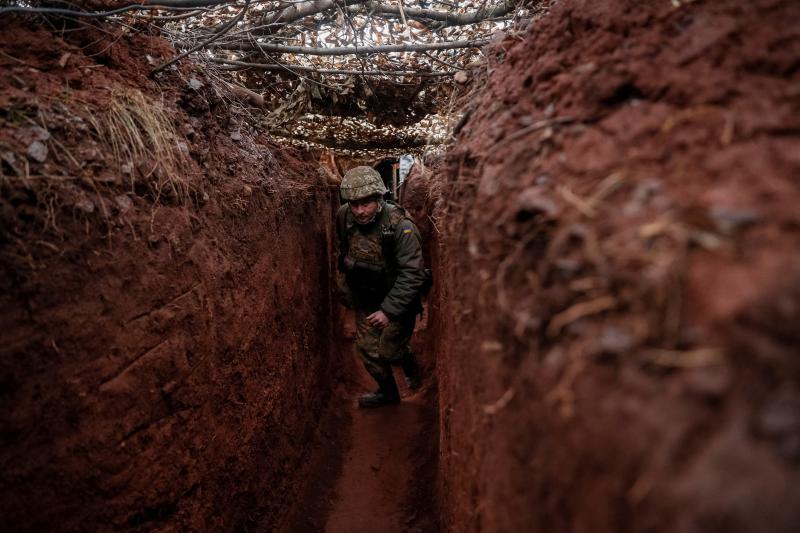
(619,277)
(164,333)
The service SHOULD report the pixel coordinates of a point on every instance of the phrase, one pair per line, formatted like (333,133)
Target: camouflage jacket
(388,270)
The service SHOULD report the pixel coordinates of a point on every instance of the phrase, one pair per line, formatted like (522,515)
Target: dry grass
(141,137)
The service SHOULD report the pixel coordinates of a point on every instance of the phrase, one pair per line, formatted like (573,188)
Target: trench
(218,407)
(373,469)
(610,345)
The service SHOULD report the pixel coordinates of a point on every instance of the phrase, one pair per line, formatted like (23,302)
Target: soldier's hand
(349,263)
(378,319)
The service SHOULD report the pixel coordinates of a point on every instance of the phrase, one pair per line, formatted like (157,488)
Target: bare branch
(205,43)
(394,143)
(172,18)
(161,5)
(352,50)
(304,9)
(312,7)
(299,68)
(446,17)
(445,63)
(190,3)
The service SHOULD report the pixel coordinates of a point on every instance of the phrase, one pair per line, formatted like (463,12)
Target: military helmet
(361,182)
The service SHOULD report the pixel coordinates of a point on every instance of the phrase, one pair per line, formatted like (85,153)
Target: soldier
(381,258)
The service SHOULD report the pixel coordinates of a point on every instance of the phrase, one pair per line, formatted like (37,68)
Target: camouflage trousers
(378,348)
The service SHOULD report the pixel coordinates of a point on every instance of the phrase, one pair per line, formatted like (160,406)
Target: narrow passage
(389,467)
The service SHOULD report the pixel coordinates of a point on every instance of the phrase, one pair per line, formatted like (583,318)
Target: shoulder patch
(408,231)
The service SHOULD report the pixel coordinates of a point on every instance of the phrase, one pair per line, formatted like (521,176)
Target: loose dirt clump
(618,274)
(157,371)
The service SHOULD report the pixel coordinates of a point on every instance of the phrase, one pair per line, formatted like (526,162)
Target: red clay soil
(376,471)
(619,275)
(378,483)
(164,351)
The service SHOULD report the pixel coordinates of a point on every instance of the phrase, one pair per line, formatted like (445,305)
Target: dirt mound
(619,275)
(157,371)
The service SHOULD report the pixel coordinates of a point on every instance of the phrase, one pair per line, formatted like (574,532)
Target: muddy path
(373,469)
(377,476)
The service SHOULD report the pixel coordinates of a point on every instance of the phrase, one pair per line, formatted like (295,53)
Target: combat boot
(411,370)
(387,394)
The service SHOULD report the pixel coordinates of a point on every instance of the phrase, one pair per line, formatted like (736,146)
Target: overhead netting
(353,76)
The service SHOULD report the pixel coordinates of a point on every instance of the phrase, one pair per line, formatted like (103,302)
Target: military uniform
(386,273)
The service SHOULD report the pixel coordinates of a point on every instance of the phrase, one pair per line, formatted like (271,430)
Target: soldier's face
(365,209)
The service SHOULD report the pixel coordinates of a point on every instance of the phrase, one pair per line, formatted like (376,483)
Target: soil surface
(610,346)
(374,489)
(168,352)
(377,472)
(157,372)
(619,275)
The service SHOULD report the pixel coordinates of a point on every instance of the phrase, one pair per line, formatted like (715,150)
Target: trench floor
(376,488)
(373,469)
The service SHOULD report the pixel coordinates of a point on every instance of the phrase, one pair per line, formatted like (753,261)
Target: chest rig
(374,247)
(372,250)
(375,244)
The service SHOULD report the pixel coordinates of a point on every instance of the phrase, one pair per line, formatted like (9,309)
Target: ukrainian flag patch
(407,232)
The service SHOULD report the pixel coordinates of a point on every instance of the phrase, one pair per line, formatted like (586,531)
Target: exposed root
(578,311)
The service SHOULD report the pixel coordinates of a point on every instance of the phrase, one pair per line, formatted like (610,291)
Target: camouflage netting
(358,77)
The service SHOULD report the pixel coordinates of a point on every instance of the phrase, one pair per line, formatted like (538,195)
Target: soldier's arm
(410,271)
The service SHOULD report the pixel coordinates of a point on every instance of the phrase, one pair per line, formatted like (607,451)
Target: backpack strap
(395,215)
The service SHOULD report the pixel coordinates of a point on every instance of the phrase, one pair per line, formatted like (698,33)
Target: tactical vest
(372,248)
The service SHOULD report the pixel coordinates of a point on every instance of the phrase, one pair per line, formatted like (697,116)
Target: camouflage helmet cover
(361,182)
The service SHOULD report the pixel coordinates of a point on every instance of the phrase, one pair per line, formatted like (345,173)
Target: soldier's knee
(392,352)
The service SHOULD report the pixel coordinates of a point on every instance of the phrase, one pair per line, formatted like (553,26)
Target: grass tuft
(142,139)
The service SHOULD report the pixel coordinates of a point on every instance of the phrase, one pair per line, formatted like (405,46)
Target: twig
(162,4)
(446,18)
(403,16)
(499,404)
(21,62)
(300,68)
(698,358)
(578,311)
(445,63)
(173,18)
(536,126)
(286,67)
(577,202)
(435,227)
(49,245)
(205,43)
(349,50)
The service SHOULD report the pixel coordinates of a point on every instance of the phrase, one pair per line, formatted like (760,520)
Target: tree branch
(304,9)
(394,143)
(158,5)
(189,3)
(299,68)
(448,18)
(352,50)
(224,29)
(312,7)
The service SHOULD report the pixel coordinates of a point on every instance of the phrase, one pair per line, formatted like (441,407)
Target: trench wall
(617,275)
(167,384)
(163,359)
